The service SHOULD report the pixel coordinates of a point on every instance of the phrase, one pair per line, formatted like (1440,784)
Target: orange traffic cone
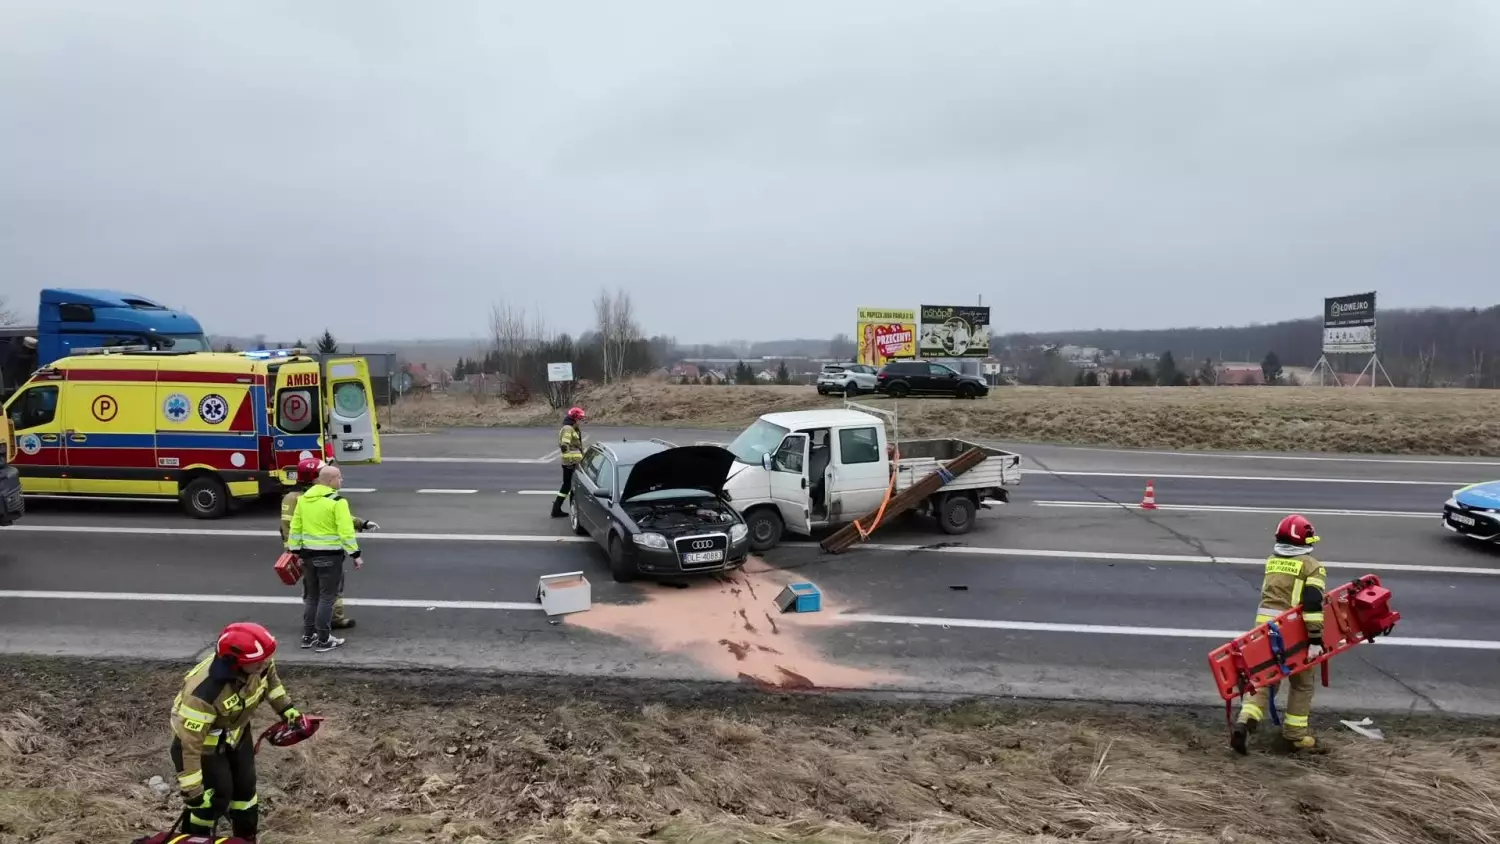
(1149,502)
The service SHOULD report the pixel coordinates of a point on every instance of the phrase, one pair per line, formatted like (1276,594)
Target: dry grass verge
(444,757)
(1333,419)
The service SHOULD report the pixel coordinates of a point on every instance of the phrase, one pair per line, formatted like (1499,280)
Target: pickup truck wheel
(205,497)
(899,390)
(765,529)
(620,568)
(956,514)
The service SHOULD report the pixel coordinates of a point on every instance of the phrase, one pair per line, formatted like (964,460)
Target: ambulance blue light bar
(266,354)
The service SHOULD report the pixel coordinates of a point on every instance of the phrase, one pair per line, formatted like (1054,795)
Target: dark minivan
(902,378)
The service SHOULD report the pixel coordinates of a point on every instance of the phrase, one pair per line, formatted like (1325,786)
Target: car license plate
(1461,520)
(703,557)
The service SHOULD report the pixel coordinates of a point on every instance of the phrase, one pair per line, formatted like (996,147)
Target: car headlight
(651,540)
(738,533)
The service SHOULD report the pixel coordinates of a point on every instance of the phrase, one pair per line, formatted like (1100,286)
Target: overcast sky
(753,169)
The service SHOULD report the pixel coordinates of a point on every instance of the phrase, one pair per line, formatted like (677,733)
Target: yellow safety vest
(570,445)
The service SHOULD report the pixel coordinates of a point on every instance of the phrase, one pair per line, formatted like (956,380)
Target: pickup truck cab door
(859,473)
(352,427)
(789,485)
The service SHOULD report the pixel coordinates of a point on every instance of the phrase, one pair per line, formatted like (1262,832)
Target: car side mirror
(602,494)
(765,461)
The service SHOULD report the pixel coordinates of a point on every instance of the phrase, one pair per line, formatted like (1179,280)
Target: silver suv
(847,379)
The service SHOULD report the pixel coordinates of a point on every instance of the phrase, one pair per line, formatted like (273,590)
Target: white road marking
(536,492)
(463,460)
(153,597)
(1270,479)
(1159,632)
(1217,508)
(1407,461)
(1124,557)
(356,489)
(964,550)
(866,618)
(447,491)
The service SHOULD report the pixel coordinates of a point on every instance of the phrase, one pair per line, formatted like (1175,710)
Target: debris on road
(1366,728)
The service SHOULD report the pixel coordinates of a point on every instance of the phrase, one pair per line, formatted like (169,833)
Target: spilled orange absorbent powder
(731,625)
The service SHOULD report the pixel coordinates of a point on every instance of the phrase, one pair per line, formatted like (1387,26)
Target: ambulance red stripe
(164,376)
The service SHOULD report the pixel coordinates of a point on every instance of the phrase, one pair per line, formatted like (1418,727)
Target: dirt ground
(443,756)
(1333,419)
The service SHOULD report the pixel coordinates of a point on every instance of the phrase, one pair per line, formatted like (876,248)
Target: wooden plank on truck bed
(904,500)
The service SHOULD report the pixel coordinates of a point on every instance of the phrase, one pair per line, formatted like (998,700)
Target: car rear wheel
(765,529)
(899,390)
(620,568)
(956,514)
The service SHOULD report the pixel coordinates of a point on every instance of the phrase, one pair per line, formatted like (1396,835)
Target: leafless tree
(7,316)
(1426,359)
(614,319)
(1476,372)
(508,334)
(604,320)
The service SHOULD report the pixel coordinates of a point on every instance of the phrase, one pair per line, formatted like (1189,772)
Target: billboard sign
(886,334)
(1349,325)
(954,331)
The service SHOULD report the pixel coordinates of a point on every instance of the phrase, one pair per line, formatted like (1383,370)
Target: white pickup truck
(808,470)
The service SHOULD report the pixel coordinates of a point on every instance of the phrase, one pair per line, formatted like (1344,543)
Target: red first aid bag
(289,568)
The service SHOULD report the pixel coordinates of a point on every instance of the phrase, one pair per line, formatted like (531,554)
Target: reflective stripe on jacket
(1294,582)
(321,521)
(215,705)
(570,445)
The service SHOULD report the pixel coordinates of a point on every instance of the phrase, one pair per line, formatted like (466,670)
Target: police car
(1474,511)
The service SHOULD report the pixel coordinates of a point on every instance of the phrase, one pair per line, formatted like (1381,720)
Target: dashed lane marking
(1216,508)
(532,460)
(865,618)
(446,491)
(1265,478)
(1399,461)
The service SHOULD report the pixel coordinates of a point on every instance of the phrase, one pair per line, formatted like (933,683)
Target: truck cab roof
(831,418)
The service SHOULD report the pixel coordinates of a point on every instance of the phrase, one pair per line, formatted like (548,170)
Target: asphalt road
(1062,593)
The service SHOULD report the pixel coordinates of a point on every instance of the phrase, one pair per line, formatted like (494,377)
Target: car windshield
(760,438)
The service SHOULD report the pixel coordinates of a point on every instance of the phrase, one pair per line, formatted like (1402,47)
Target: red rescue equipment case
(289,568)
(1353,613)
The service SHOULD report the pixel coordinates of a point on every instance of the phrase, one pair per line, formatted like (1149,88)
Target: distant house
(1240,375)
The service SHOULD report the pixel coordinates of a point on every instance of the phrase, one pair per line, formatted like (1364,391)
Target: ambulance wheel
(956,514)
(205,498)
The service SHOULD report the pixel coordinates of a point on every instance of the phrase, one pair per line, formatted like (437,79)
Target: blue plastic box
(800,597)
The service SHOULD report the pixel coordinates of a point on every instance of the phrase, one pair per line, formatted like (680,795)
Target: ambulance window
(37,406)
(349,399)
(297,410)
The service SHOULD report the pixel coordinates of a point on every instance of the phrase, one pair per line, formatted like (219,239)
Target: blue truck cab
(75,319)
(78,319)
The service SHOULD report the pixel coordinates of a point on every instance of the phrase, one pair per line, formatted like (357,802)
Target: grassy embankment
(1333,419)
(449,758)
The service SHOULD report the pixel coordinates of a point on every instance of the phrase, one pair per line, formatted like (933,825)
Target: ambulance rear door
(352,427)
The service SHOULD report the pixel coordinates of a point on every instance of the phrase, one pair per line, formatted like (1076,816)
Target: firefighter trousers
(230,772)
(1294,707)
(565,490)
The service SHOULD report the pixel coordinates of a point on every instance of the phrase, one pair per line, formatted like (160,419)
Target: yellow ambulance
(129,422)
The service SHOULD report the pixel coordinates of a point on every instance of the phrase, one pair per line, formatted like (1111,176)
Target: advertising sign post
(1349,329)
(954,331)
(885,334)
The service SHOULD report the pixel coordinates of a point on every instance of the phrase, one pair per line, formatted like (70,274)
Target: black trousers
(322,581)
(565,490)
(230,772)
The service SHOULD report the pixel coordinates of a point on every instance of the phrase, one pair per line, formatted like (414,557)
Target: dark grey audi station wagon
(658,509)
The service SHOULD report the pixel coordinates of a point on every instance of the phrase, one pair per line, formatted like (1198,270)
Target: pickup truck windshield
(760,438)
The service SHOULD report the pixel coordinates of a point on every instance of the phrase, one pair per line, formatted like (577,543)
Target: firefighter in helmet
(212,749)
(1294,578)
(307,475)
(570,449)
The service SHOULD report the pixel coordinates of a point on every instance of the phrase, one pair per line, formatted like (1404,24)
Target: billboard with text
(1349,325)
(954,331)
(885,334)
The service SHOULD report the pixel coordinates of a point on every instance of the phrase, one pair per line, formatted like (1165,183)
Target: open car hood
(704,467)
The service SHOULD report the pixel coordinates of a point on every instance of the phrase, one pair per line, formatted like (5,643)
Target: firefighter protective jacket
(289,506)
(215,707)
(570,445)
(321,521)
(1293,581)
